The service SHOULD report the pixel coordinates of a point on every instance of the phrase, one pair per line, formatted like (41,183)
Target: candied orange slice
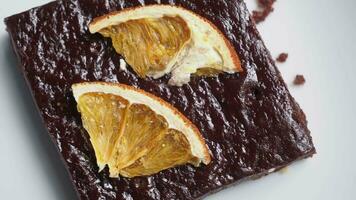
(136,133)
(159,39)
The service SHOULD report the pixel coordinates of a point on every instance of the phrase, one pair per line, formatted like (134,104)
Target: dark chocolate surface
(249,120)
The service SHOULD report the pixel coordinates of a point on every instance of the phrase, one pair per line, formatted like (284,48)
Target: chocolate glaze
(249,120)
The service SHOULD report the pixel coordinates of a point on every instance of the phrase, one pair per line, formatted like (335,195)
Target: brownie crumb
(299,80)
(282,57)
(266,7)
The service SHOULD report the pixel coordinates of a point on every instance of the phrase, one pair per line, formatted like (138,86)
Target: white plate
(320,37)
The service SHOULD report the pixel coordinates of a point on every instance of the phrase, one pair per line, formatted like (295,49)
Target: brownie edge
(250,122)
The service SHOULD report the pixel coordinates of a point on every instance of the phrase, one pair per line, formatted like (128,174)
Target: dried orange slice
(136,133)
(160,39)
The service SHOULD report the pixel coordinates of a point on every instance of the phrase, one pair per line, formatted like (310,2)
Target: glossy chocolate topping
(249,120)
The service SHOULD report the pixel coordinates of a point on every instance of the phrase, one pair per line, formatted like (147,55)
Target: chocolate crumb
(282,57)
(299,80)
(266,7)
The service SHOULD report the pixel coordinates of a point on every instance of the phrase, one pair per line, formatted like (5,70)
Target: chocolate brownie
(249,120)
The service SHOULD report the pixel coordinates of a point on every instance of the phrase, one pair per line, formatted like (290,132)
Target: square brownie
(251,123)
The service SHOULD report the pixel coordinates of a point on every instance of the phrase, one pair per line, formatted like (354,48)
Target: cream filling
(199,56)
(197,53)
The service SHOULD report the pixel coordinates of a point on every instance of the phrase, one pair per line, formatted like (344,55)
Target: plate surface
(320,39)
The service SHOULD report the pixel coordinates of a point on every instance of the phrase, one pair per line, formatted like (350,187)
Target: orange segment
(149,44)
(101,114)
(140,133)
(171,150)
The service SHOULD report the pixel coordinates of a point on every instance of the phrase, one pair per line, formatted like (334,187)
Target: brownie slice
(249,120)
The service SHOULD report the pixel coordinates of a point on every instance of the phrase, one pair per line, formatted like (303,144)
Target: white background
(320,37)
